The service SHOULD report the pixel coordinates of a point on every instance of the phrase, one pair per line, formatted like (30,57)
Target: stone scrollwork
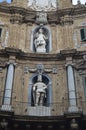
(16,18)
(81,65)
(40,69)
(84,57)
(41,18)
(54,70)
(66,20)
(26,69)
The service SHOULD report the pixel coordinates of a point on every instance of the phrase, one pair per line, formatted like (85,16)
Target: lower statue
(39,92)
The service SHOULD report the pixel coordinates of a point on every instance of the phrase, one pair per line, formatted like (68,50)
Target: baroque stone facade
(45,45)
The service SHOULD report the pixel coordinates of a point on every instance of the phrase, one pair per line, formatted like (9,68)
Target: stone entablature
(7,52)
(29,16)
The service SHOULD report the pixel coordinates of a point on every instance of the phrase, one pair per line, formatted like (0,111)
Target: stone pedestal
(6,107)
(39,111)
(41,50)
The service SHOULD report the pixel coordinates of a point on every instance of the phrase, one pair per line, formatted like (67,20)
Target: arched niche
(46,80)
(47,33)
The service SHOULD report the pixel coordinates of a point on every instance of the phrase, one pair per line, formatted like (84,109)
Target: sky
(7,1)
(74,1)
(82,1)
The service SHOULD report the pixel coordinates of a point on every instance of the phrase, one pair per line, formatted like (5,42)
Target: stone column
(71,90)
(8,88)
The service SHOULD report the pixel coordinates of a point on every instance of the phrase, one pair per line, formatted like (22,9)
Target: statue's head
(40,30)
(39,78)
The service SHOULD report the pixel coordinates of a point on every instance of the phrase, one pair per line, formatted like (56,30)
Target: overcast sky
(82,1)
(74,1)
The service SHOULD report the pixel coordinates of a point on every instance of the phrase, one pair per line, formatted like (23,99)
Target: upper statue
(40,41)
(41,5)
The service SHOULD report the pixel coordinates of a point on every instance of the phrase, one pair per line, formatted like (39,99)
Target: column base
(6,108)
(39,111)
(73,109)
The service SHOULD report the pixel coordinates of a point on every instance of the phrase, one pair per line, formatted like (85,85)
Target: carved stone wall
(18,23)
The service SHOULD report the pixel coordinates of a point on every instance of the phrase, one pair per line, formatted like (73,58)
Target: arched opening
(47,35)
(47,81)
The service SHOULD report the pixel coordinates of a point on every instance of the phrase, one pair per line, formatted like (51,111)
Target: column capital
(67,64)
(11,61)
(69,60)
(8,63)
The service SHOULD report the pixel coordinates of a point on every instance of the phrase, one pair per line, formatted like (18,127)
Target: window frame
(0,32)
(84,85)
(83,34)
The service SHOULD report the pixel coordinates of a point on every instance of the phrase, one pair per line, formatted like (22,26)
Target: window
(84,85)
(83,34)
(0,32)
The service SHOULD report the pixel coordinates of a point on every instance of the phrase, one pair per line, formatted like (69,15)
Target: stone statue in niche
(40,41)
(39,92)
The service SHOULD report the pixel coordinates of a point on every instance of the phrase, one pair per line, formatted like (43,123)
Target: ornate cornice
(68,53)
(16,18)
(7,52)
(72,11)
(28,15)
(66,20)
